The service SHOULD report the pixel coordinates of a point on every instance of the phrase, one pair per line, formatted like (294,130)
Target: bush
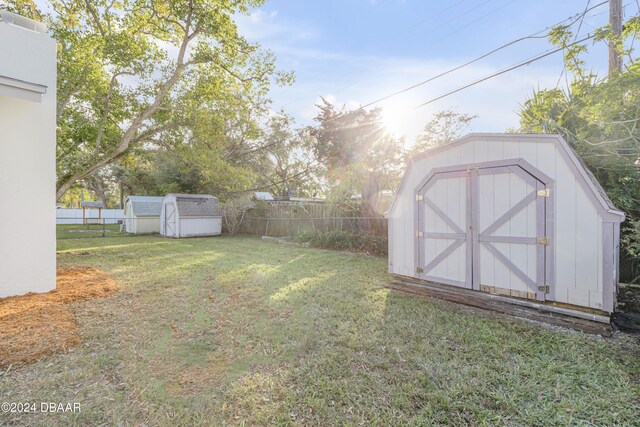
(233,212)
(344,240)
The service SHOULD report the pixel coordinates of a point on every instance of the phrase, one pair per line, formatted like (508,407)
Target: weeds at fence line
(293,226)
(346,240)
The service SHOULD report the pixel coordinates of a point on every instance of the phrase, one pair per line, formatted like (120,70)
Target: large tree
(131,71)
(284,158)
(359,154)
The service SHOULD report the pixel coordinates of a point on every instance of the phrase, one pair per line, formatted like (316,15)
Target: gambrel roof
(580,170)
(145,205)
(197,205)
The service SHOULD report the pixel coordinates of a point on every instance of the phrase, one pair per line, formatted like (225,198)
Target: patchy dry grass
(233,330)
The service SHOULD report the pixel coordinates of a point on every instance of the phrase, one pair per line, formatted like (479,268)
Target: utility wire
(527,62)
(449,71)
(574,18)
(406,30)
(506,70)
(504,46)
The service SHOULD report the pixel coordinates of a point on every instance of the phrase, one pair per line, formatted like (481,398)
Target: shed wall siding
(191,227)
(578,224)
(146,225)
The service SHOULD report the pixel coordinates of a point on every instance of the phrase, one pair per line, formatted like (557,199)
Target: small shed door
(508,232)
(170,219)
(443,238)
(483,229)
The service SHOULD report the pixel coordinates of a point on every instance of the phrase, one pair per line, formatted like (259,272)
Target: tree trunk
(96,185)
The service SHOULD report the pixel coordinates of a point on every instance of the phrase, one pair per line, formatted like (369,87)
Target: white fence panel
(74,215)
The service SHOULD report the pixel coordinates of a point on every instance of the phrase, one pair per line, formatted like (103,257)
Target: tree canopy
(142,72)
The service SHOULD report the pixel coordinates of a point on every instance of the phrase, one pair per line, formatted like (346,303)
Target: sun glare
(394,121)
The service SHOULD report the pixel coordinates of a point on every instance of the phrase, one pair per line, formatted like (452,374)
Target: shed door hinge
(419,197)
(419,270)
(544,241)
(419,234)
(543,288)
(544,193)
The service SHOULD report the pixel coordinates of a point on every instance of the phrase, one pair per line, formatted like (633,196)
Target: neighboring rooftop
(263,195)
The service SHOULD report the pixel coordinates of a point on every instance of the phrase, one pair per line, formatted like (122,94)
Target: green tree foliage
(360,156)
(600,119)
(285,160)
(137,72)
(444,127)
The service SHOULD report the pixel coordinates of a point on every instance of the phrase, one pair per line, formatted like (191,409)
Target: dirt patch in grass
(39,325)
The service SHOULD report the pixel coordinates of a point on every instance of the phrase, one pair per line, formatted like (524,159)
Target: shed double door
(483,229)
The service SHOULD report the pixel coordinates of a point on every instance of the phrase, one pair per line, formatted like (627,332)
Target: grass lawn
(236,331)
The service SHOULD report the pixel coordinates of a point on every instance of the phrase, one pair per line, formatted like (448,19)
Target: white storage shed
(508,214)
(142,214)
(190,215)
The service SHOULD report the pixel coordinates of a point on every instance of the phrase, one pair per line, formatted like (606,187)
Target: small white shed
(142,214)
(190,215)
(508,214)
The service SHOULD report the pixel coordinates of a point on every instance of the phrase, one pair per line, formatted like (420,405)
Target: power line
(506,70)
(504,46)
(532,36)
(535,35)
(406,30)
(521,64)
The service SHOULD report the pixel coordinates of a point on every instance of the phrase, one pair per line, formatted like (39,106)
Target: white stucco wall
(27,163)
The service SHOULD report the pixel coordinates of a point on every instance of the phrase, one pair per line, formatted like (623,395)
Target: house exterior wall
(578,269)
(27,163)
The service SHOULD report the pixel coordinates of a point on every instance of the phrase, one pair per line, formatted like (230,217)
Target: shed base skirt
(560,316)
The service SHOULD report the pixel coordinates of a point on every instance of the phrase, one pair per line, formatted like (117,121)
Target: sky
(352,52)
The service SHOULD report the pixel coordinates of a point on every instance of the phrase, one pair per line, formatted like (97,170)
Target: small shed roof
(145,205)
(263,195)
(197,205)
(98,204)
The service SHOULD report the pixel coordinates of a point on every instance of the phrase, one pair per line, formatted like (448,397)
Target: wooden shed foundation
(589,322)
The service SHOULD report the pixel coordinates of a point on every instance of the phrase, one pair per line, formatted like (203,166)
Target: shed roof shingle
(145,205)
(194,205)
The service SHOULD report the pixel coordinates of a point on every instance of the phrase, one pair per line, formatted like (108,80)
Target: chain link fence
(69,228)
